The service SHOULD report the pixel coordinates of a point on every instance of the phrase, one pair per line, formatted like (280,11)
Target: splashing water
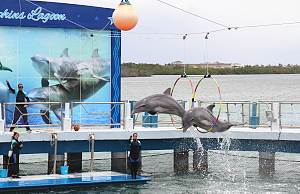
(197,139)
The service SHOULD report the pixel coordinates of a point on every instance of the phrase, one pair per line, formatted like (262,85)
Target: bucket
(64,169)
(3,173)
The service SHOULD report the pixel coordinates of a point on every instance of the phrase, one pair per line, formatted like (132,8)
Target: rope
(220,96)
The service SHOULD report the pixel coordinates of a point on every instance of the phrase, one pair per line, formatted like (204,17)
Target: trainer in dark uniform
(20,109)
(135,148)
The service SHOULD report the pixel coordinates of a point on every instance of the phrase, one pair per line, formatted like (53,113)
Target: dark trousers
(19,111)
(14,164)
(134,169)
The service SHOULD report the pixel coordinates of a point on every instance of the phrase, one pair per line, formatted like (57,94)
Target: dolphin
(65,67)
(59,69)
(203,117)
(4,97)
(70,91)
(159,103)
(3,68)
(95,67)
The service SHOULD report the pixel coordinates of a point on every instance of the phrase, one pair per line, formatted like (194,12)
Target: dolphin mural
(65,67)
(70,91)
(203,117)
(3,68)
(95,67)
(159,103)
(4,96)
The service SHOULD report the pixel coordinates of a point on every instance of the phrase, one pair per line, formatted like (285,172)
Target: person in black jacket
(20,109)
(135,148)
(14,159)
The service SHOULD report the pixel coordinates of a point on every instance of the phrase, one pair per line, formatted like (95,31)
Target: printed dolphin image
(95,67)
(65,67)
(3,68)
(159,103)
(59,69)
(70,91)
(4,96)
(203,117)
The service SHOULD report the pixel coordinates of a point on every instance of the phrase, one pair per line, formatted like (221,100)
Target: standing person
(14,159)
(20,109)
(135,148)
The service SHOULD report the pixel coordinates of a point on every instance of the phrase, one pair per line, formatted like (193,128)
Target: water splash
(197,139)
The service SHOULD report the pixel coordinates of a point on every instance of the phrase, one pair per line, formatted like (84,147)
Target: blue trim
(116,76)
(65,15)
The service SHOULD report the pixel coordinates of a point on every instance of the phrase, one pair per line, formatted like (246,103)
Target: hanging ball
(125,16)
(76,127)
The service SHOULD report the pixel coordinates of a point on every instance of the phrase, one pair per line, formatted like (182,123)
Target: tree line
(144,69)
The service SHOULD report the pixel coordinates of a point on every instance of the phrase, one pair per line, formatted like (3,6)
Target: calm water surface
(226,174)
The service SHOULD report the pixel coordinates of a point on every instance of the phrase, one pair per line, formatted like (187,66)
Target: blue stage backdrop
(60,53)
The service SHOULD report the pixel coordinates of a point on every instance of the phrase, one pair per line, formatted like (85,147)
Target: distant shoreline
(147,70)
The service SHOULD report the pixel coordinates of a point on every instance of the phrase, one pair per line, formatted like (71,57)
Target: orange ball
(76,127)
(125,17)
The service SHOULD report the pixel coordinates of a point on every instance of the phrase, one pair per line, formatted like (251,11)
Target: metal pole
(92,137)
(54,135)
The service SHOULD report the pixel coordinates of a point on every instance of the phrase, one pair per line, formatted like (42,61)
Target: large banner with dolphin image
(59,65)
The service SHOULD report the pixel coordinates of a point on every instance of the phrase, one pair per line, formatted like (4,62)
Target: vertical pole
(118,161)
(200,160)
(92,137)
(267,163)
(275,122)
(128,121)
(181,160)
(2,128)
(67,123)
(54,135)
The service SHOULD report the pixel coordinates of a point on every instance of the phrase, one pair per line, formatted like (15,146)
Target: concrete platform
(38,182)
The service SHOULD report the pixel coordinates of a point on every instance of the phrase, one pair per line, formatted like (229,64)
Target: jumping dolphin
(159,103)
(203,117)
(70,91)
(3,68)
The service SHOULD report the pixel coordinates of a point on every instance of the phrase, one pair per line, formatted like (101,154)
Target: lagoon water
(229,172)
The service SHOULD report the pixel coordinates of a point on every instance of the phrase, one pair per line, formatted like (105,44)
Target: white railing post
(67,124)
(275,122)
(128,121)
(2,123)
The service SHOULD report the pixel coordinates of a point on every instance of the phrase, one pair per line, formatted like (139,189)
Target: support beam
(74,161)
(118,161)
(200,160)
(267,163)
(181,160)
(60,160)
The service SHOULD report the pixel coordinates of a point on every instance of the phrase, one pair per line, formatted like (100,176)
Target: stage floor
(37,182)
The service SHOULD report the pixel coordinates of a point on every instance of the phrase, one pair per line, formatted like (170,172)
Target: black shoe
(17,177)
(11,129)
(28,129)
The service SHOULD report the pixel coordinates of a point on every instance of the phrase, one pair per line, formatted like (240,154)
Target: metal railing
(37,114)
(261,114)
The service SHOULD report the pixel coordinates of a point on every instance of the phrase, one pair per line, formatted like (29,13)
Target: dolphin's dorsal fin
(95,53)
(65,53)
(211,107)
(167,91)
(206,123)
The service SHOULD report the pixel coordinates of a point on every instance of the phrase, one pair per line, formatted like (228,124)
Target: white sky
(157,38)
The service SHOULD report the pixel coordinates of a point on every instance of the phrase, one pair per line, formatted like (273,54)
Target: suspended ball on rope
(125,16)
(76,127)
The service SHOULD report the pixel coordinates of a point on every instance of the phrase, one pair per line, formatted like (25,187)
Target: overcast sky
(158,36)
